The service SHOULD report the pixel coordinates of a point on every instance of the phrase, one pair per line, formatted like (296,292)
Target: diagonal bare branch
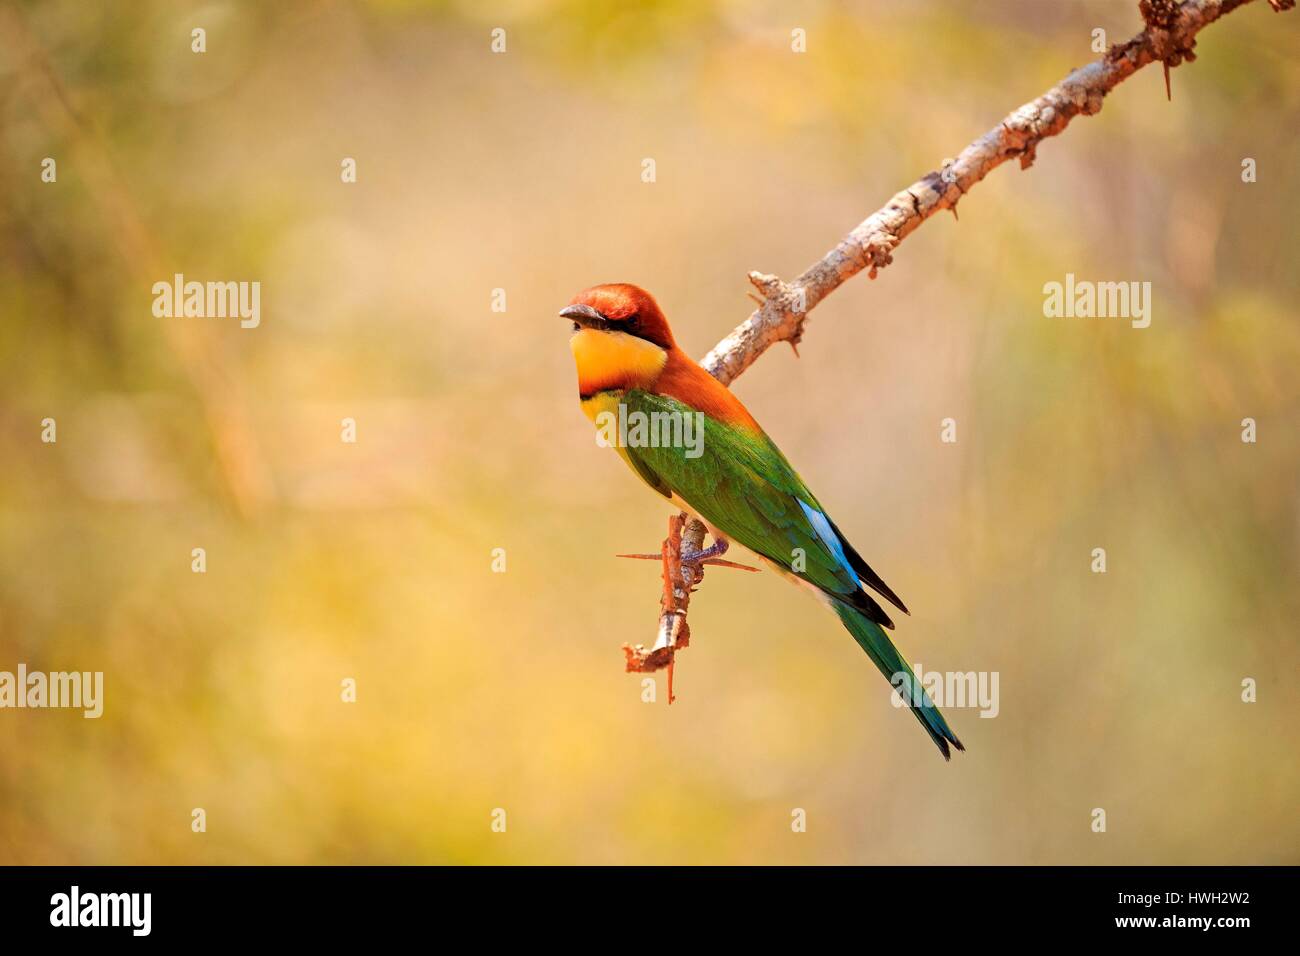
(1169,38)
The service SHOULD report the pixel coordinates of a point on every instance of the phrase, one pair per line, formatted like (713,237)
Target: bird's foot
(695,561)
(715,550)
(692,562)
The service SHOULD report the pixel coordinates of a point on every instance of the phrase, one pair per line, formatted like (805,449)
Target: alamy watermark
(211,300)
(75,908)
(1101,300)
(59,689)
(632,428)
(952,689)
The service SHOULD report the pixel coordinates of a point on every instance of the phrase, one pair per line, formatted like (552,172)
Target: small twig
(716,562)
(679,580)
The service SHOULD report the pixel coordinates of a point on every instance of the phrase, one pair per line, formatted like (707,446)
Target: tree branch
(1169,38)
(680,580)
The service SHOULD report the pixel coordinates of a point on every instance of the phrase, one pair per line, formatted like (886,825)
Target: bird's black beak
(584,316)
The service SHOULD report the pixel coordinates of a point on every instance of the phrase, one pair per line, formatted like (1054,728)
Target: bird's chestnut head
(620,307)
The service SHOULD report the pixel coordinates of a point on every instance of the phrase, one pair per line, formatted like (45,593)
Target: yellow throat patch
(614,360)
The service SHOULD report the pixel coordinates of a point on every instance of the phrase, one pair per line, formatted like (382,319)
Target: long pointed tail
(871,636)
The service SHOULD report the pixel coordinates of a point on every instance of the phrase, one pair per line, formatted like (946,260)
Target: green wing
(742,484)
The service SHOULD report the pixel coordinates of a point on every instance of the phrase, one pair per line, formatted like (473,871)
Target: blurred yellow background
(522,171)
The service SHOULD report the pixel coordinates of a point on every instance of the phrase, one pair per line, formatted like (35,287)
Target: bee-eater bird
(735,480)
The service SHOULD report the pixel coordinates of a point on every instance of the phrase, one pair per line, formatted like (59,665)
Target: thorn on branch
(1161,18)
(734,565)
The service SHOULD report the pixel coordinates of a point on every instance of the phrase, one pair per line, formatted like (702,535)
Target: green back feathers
(737,479)
(742,484)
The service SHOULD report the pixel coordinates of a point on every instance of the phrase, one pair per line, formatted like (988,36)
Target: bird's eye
(633,321)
